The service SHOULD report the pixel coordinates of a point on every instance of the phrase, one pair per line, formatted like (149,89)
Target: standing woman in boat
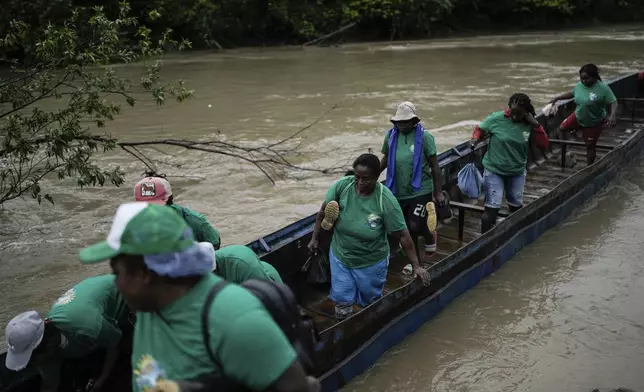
(507,155)
(413,175)
(362,212)
(592,96)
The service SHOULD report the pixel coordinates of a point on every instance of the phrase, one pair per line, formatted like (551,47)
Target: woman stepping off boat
(413,175)
(366,212)
(592,96)
(507,155)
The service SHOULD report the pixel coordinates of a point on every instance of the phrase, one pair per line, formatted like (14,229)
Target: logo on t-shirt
(411,148)
(66,298)
(592,97)
(373,220)
(526,135)
(148,373)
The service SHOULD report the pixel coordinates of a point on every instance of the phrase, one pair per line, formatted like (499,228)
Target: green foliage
(229,23)
(59,87)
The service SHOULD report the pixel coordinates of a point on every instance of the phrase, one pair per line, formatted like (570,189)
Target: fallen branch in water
(327,36)
(19,177)
(272,159)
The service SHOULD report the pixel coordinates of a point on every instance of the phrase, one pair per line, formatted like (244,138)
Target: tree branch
(36,99)
(317,120)
(266,159)
(17,191)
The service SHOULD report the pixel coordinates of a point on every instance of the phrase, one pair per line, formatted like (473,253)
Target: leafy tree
(59,89)
(66,66)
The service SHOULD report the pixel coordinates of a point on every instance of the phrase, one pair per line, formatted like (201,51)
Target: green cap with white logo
(141,229)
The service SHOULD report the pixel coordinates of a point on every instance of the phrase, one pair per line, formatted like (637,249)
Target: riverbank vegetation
(234,23)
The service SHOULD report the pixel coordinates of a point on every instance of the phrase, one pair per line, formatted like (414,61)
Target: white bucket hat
(406,111)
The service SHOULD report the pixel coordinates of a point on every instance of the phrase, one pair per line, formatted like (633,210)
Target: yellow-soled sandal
(431,217)
(331,214)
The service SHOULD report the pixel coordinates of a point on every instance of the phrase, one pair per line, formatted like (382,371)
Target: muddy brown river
(565,314)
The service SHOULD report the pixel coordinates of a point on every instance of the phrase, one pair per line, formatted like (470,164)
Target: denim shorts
(494,185)
(357,285)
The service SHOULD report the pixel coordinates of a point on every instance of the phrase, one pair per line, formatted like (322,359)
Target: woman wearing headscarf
(507,155)
(362,212)
(413,175)
(592,96)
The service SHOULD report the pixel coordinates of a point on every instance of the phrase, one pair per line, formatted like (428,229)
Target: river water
(264,95)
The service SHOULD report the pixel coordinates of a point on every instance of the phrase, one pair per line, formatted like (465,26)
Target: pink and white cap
(155,190)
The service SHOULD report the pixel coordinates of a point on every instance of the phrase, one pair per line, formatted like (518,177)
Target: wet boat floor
(541,179)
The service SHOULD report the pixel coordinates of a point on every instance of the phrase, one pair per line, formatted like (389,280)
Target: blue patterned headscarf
(197,260)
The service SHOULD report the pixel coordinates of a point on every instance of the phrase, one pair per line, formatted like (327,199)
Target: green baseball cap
(141,229)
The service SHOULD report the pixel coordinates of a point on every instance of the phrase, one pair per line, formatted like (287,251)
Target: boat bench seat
(462,207)
(580,144)
(565,143)
(636,104)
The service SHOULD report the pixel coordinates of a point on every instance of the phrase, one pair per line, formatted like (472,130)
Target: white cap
(406,111)
(23,334)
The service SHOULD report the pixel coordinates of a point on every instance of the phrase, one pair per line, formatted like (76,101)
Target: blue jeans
(494,185)
(351,285)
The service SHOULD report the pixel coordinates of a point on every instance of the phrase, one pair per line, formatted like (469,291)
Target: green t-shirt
(507,153)
(360,233)
(272,272)
(201,228)
(168,344)
(591,103)
(91,314)
(238,263)
(405,164)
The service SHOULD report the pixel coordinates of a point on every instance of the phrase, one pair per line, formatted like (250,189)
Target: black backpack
(280,302)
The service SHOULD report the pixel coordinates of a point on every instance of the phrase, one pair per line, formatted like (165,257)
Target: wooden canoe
(554,188)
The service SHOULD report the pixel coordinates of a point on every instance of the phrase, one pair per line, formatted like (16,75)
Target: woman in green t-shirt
(507,154)
(363,212)
(592,96)
(413,175)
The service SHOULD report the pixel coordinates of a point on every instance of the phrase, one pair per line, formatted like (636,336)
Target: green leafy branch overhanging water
(66,62)
(66,65)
